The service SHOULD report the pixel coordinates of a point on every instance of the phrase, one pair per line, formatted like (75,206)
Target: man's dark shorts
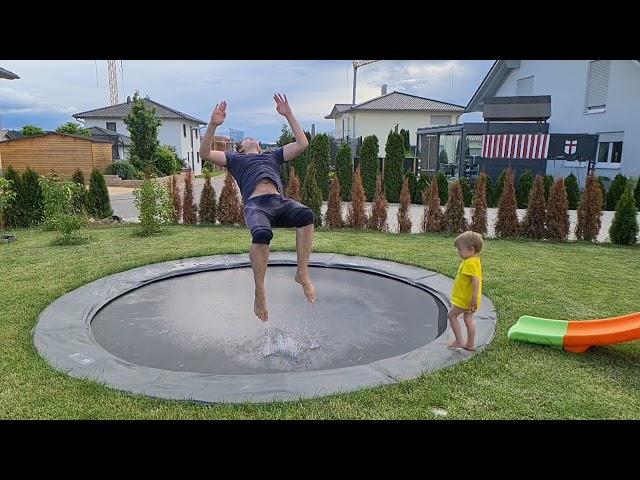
(264,212)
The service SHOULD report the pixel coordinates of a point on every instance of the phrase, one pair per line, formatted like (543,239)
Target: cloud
(51,90)
(16,101)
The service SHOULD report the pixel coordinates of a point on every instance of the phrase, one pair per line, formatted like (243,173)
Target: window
(115,152)
(196,133)
(111,126)
(198,154)
(610,147)
(524,86)
(603,152)
(616,152)
(598,85)
(184,130)
(440,120)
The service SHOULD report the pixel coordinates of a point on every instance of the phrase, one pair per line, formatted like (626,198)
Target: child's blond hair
(469,239)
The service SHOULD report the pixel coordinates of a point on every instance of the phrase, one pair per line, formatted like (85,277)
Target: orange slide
(577,335)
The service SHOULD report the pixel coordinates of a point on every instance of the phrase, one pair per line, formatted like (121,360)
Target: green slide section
(542,331)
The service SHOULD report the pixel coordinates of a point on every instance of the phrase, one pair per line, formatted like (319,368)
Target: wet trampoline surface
(204,322)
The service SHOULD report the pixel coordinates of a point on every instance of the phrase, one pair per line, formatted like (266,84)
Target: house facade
(597,97)
(389,111)
(178,129)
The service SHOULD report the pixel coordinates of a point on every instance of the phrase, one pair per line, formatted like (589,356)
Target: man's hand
(473,306)
(282,105)
(219,113)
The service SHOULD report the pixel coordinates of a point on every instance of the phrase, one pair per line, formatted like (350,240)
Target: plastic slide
(576,335)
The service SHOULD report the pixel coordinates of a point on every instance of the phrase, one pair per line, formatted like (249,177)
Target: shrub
(155,206)
(344,170)
(208,203)
(321,155)
(312,194)
(624,228)
(507,222)
(333,218)
(467,194)
(434,215)
(497,191)
(557,212)
(454,220)
(356,217)
(590,211)
(7,197)
(59,207)
(421,186)
(378,218)
(479,217)
(189,208)
(393,168)
(229,207)
(616,189)
(30,199)
(12,213)
(176,199)
(293,188)
(533,225)
(573,191)
(166,161)
(524,188)
(404,214)
(98,204)
(369,165)
(78,177)
(124,170)
(443,187)
(413,185)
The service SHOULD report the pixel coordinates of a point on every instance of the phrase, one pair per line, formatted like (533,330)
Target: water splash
(289,345)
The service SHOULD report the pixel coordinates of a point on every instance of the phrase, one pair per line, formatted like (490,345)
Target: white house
(382,114)
(587,96)
(177,129)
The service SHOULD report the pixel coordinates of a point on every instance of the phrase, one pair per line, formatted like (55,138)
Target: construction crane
(357,64)
(113,81)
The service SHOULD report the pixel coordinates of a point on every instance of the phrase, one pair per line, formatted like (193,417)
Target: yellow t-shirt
(462,286)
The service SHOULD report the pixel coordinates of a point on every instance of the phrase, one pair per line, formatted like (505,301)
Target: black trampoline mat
(204,322)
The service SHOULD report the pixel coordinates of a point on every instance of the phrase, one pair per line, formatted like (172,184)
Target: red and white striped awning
(515,145)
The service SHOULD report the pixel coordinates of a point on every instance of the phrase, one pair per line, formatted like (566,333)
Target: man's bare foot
(471,348)
(455,344)
(307,287)
(260,306)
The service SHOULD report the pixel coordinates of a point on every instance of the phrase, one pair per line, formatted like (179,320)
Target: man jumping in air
(265,206)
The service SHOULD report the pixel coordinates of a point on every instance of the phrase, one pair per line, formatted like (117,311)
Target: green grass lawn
(508,380)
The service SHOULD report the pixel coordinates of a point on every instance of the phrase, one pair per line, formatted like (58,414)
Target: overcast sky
(49,92)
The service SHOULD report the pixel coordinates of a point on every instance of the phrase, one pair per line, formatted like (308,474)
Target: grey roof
(97,132)
(397,101)
(7,74)
(121,110)
(46,134)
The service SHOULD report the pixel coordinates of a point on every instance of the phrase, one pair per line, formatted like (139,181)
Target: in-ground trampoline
(185,329)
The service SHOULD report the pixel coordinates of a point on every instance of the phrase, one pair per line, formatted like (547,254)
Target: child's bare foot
(307,287)
(471,348)
(260,306)
(455,344)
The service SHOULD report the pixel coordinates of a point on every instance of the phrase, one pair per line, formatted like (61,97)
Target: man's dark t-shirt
(249,168)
